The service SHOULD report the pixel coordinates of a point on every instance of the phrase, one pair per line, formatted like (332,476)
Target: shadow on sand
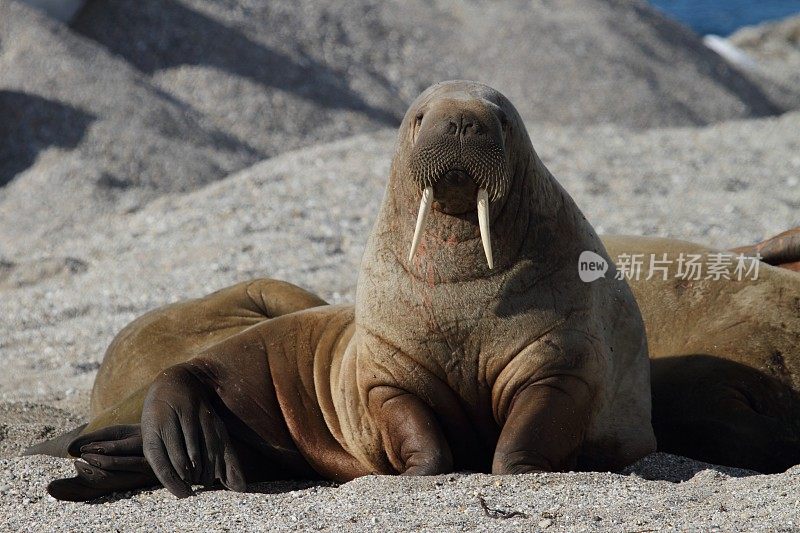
(177,35)
(30,124)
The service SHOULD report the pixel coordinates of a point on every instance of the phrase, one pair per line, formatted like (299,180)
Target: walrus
(472,344)
(724,349)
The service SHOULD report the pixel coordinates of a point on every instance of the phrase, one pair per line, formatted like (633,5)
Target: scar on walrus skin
(472,345)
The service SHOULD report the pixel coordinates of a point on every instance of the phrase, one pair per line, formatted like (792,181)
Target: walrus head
(461,149)
(458,148)
(458,158)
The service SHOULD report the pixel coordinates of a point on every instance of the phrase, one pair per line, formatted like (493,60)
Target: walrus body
(508,364)
(725,352)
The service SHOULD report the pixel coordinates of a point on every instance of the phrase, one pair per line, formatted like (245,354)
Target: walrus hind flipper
(92,483)
(782,250)
(55,447)
(111,460)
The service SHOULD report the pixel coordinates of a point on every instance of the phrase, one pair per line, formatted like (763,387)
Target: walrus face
(457,138)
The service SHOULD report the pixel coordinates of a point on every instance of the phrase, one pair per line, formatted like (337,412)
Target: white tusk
(483,222)
(422,216)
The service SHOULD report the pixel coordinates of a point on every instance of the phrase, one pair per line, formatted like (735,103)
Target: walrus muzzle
(459,161)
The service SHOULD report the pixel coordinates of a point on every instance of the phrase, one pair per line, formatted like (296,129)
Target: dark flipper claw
(112,461)
(92,483)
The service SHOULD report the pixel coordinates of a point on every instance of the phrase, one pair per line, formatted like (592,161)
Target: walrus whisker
(422,217)
(483,222)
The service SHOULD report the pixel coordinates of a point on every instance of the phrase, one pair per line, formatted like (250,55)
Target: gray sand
(133,174)
(84,133)
(705,499)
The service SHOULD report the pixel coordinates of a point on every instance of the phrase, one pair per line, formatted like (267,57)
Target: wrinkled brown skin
(443,364)
(725,357)
(524,367)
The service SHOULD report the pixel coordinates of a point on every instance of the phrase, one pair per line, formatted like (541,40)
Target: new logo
(591,266)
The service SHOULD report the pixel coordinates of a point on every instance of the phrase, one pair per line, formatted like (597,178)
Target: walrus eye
(505,125)
(415,126)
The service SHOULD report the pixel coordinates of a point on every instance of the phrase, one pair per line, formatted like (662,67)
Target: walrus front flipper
(56,447)
(544,428)
(184,439)
(112,460)
(414,441)
(782,250)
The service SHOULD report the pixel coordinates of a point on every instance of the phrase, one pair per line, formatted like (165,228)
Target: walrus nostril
(470,125)
(463,126)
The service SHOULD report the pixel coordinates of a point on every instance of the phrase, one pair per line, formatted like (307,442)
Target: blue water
(723,17)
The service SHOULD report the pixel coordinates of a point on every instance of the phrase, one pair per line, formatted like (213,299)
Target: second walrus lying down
(724,341)
(481,349)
